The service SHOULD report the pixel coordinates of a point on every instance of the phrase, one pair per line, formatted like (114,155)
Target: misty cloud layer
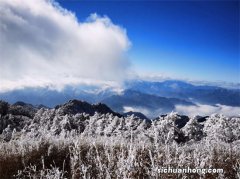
(42,44)
(204,109)
(200,109)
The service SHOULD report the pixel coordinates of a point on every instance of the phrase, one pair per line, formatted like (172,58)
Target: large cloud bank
(204,109)
(199,109)
(42,44)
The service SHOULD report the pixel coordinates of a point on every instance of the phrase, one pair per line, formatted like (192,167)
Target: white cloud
(201,109)
(42,44)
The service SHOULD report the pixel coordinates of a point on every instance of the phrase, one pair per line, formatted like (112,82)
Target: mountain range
(179,89)
(136,96)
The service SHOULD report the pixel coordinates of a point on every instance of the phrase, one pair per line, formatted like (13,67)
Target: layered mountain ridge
(150,98)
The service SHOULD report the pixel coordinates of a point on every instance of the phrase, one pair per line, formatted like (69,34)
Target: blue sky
(190,40)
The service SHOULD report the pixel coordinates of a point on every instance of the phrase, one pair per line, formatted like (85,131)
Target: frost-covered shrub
(164,129)
(219,127)
(193,130)
(110,146)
